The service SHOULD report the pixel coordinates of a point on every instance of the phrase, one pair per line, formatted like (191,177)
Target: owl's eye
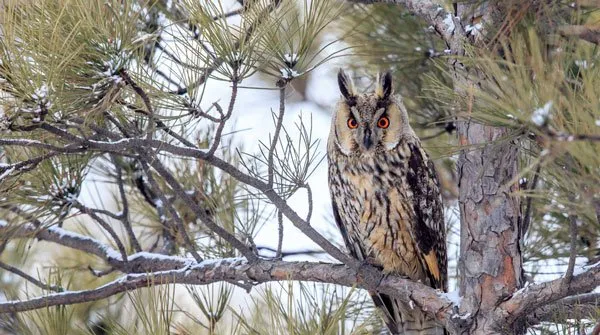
(352,124)
(383,122)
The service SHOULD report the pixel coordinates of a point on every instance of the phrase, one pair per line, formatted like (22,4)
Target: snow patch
(582,63)
(449,22)
(291,59)
(541,115)
(453,296)
(473,29)
(289,73)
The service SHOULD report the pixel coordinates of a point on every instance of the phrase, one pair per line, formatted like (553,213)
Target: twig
(103,273)
(572,249)
(178,221)
(278,124)
(229,14)
(528,208)
(161,125)
(83,208)
(280,235)
(310,202)
(294,252)
(217,138)
(104,226)
(126,146)
(135,244)
(206,220)
(30,278)
(142,94)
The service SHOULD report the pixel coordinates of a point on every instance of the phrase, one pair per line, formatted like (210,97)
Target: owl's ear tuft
(384,87)
(346,87)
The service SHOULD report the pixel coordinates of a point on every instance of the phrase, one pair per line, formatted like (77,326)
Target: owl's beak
(367,141)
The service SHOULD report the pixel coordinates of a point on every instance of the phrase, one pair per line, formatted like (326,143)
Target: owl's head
(368,123)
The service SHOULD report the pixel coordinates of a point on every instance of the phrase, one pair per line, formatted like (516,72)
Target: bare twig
(310,202)
(280,235)
(30,278)
(288,253)
(528,208)
(135,244)
(106,226)
(167,204)
(142,94)
(206,220)
(575,137)
(218,133)
(278,125)
(572,249)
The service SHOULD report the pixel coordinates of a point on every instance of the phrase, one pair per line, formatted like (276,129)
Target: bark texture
(490,257)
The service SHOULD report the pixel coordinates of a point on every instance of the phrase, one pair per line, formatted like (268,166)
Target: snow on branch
(238,270)
(535,296)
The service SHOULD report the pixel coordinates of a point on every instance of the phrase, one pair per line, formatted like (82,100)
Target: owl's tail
(404,320)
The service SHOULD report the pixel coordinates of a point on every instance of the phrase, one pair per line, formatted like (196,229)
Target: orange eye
(352,124)
(383,122)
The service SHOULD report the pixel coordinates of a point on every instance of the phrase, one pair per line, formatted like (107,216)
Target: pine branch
(431,11)
(29,278)
(238,270)
(574,307)
(535,296)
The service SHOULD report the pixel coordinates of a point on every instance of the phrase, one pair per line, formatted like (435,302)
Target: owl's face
(366,124)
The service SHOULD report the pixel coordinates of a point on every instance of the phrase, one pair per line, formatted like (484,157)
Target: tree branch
(30,279)
(125,146)
(135,244)
(574,307)
(238,270)
(535,296)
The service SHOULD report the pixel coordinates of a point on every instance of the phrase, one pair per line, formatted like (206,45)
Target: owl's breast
(378,215)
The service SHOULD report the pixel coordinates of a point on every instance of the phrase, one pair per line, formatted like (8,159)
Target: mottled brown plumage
(386,197)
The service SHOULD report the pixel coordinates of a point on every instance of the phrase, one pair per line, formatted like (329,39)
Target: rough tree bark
(490,256)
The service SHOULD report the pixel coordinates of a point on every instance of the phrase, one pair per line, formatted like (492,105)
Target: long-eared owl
(386,198)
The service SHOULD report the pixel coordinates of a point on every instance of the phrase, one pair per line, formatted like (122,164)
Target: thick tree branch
(536,296)
(238,270)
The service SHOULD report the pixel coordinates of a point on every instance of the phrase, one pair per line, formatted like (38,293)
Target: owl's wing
(355,249)
(428,227)
(383,302)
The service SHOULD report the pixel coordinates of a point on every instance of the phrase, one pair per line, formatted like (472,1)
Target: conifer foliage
(128,207)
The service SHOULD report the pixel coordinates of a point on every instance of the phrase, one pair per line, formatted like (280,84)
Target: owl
(386,197)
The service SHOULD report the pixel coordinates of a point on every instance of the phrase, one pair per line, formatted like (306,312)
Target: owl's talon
(373,262)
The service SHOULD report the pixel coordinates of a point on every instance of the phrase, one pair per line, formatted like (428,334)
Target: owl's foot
(372,261)
(370,270)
